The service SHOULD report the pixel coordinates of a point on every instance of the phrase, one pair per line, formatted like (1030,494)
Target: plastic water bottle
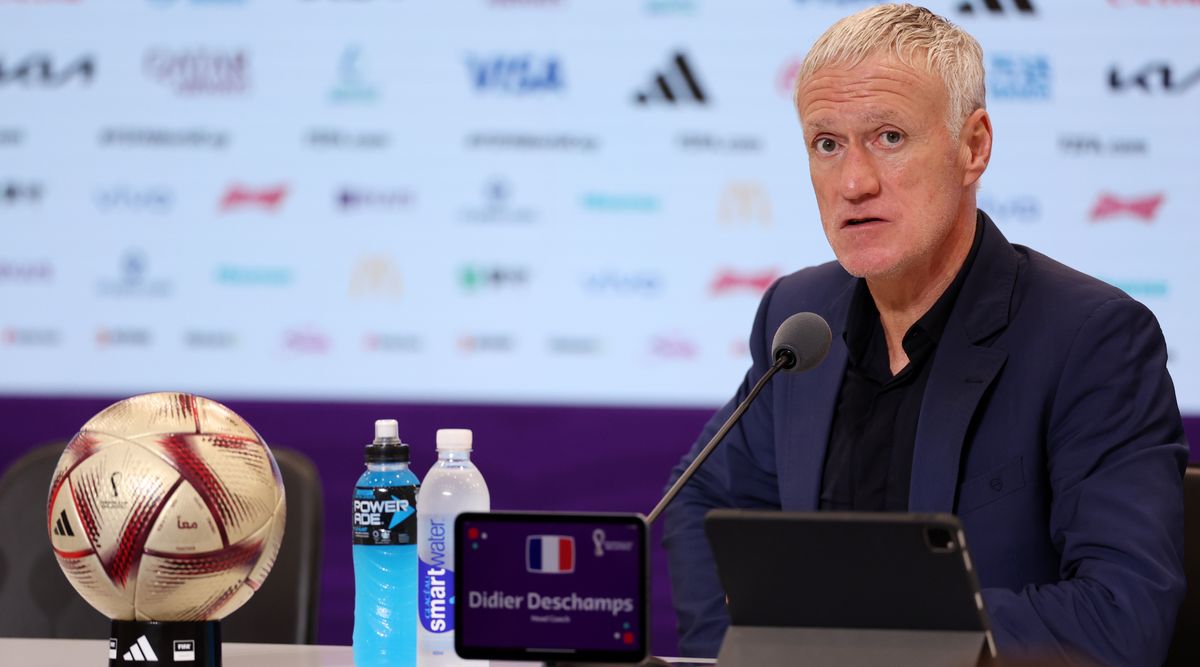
(385,554)
(453,485)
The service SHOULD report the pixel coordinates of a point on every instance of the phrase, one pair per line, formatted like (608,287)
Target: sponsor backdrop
(505,203)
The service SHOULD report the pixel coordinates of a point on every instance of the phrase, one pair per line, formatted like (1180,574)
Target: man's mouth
(860,221)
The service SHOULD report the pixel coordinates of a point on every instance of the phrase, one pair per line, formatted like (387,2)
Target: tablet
(846,570)
(550,586)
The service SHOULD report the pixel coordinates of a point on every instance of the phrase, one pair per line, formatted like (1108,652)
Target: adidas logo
(674,86)
(140,651)
(997,7)
(62,527)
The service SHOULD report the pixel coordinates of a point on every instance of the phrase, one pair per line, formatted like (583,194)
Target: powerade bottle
(385,554)
(453,485)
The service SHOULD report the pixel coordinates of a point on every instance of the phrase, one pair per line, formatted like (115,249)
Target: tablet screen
(571,586)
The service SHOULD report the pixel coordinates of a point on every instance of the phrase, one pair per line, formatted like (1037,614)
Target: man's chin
(870,269)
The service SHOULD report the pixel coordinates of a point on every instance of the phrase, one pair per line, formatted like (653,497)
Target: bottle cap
(454,439)
(387,447)
(387,430)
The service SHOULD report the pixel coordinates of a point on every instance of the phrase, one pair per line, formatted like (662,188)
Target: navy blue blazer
(1049,426)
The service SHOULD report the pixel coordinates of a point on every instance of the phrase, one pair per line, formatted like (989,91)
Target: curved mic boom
(800,343)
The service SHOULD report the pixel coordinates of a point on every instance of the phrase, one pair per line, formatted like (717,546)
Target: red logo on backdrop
(240,196)
(199,71)
(306,341)
(1141,208)
(728,280)
(673,347)
(785,81)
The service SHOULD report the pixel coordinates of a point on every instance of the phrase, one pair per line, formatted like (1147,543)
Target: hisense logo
(248,275)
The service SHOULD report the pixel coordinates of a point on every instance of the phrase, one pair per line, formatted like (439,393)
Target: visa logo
(516,74)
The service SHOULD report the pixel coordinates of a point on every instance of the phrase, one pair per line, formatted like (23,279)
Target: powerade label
(385,516)
(436,597)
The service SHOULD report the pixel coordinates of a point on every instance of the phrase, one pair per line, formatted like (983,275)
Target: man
(967,374)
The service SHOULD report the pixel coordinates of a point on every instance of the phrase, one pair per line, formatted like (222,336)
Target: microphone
(800,343)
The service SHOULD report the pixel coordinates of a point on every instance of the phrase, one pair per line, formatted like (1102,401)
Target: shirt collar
(863,317)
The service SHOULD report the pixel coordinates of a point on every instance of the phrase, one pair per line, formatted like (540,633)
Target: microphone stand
(784,359)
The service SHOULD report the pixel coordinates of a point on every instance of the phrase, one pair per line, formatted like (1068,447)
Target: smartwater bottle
(453,485)
(385,554)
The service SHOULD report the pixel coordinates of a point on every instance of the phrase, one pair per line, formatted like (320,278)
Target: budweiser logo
(239,196)
(1141,208)
(728,281)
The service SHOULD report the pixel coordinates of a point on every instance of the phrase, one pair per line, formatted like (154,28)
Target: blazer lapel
(808,406)
(964,366)
(960,375)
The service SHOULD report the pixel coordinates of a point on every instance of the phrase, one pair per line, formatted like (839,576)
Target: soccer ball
(166,507)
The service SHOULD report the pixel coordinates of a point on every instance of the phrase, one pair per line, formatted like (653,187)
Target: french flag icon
(550,554)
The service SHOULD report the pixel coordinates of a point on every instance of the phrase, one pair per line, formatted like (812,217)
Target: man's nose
(859,176)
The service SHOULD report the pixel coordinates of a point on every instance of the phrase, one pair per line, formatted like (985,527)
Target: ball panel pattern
(79,448)
(235,477)
(195,587)
(87,575)
(119,493)
(185,525)
(274,540)
(148,414)
(166,507)
(216,418)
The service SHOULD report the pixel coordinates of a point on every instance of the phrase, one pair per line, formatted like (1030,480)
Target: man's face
(888,176)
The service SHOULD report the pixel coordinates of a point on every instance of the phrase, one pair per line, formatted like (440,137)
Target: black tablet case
(846,583)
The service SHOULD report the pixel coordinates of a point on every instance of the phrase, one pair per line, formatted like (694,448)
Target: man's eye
(892,137)
(826,145)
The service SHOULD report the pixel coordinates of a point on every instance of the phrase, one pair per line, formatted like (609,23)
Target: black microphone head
(806,336)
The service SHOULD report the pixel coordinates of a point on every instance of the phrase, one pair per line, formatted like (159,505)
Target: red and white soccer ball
(166,507)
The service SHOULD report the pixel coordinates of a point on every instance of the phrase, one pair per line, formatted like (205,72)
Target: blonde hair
(912,34)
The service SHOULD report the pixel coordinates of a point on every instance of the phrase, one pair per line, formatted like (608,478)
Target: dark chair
(37,601)
(35,598)
(1185,647)
(284,610)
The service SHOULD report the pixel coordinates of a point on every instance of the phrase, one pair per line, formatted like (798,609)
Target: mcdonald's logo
(376,276)
(743,203)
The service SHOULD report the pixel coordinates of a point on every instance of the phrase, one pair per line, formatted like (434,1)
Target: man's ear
(975,146)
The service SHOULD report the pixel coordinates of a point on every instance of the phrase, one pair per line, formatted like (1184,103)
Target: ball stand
(185,644)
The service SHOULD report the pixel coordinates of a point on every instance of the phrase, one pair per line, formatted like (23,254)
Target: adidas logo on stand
(676,85)
(62,527)
(140,651)
(997,7)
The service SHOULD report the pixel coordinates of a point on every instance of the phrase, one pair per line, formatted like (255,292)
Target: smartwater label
(385,516)
(436,595)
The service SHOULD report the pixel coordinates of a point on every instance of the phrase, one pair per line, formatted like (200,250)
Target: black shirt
(869,459)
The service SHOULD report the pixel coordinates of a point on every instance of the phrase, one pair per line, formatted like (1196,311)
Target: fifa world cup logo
(115,480)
